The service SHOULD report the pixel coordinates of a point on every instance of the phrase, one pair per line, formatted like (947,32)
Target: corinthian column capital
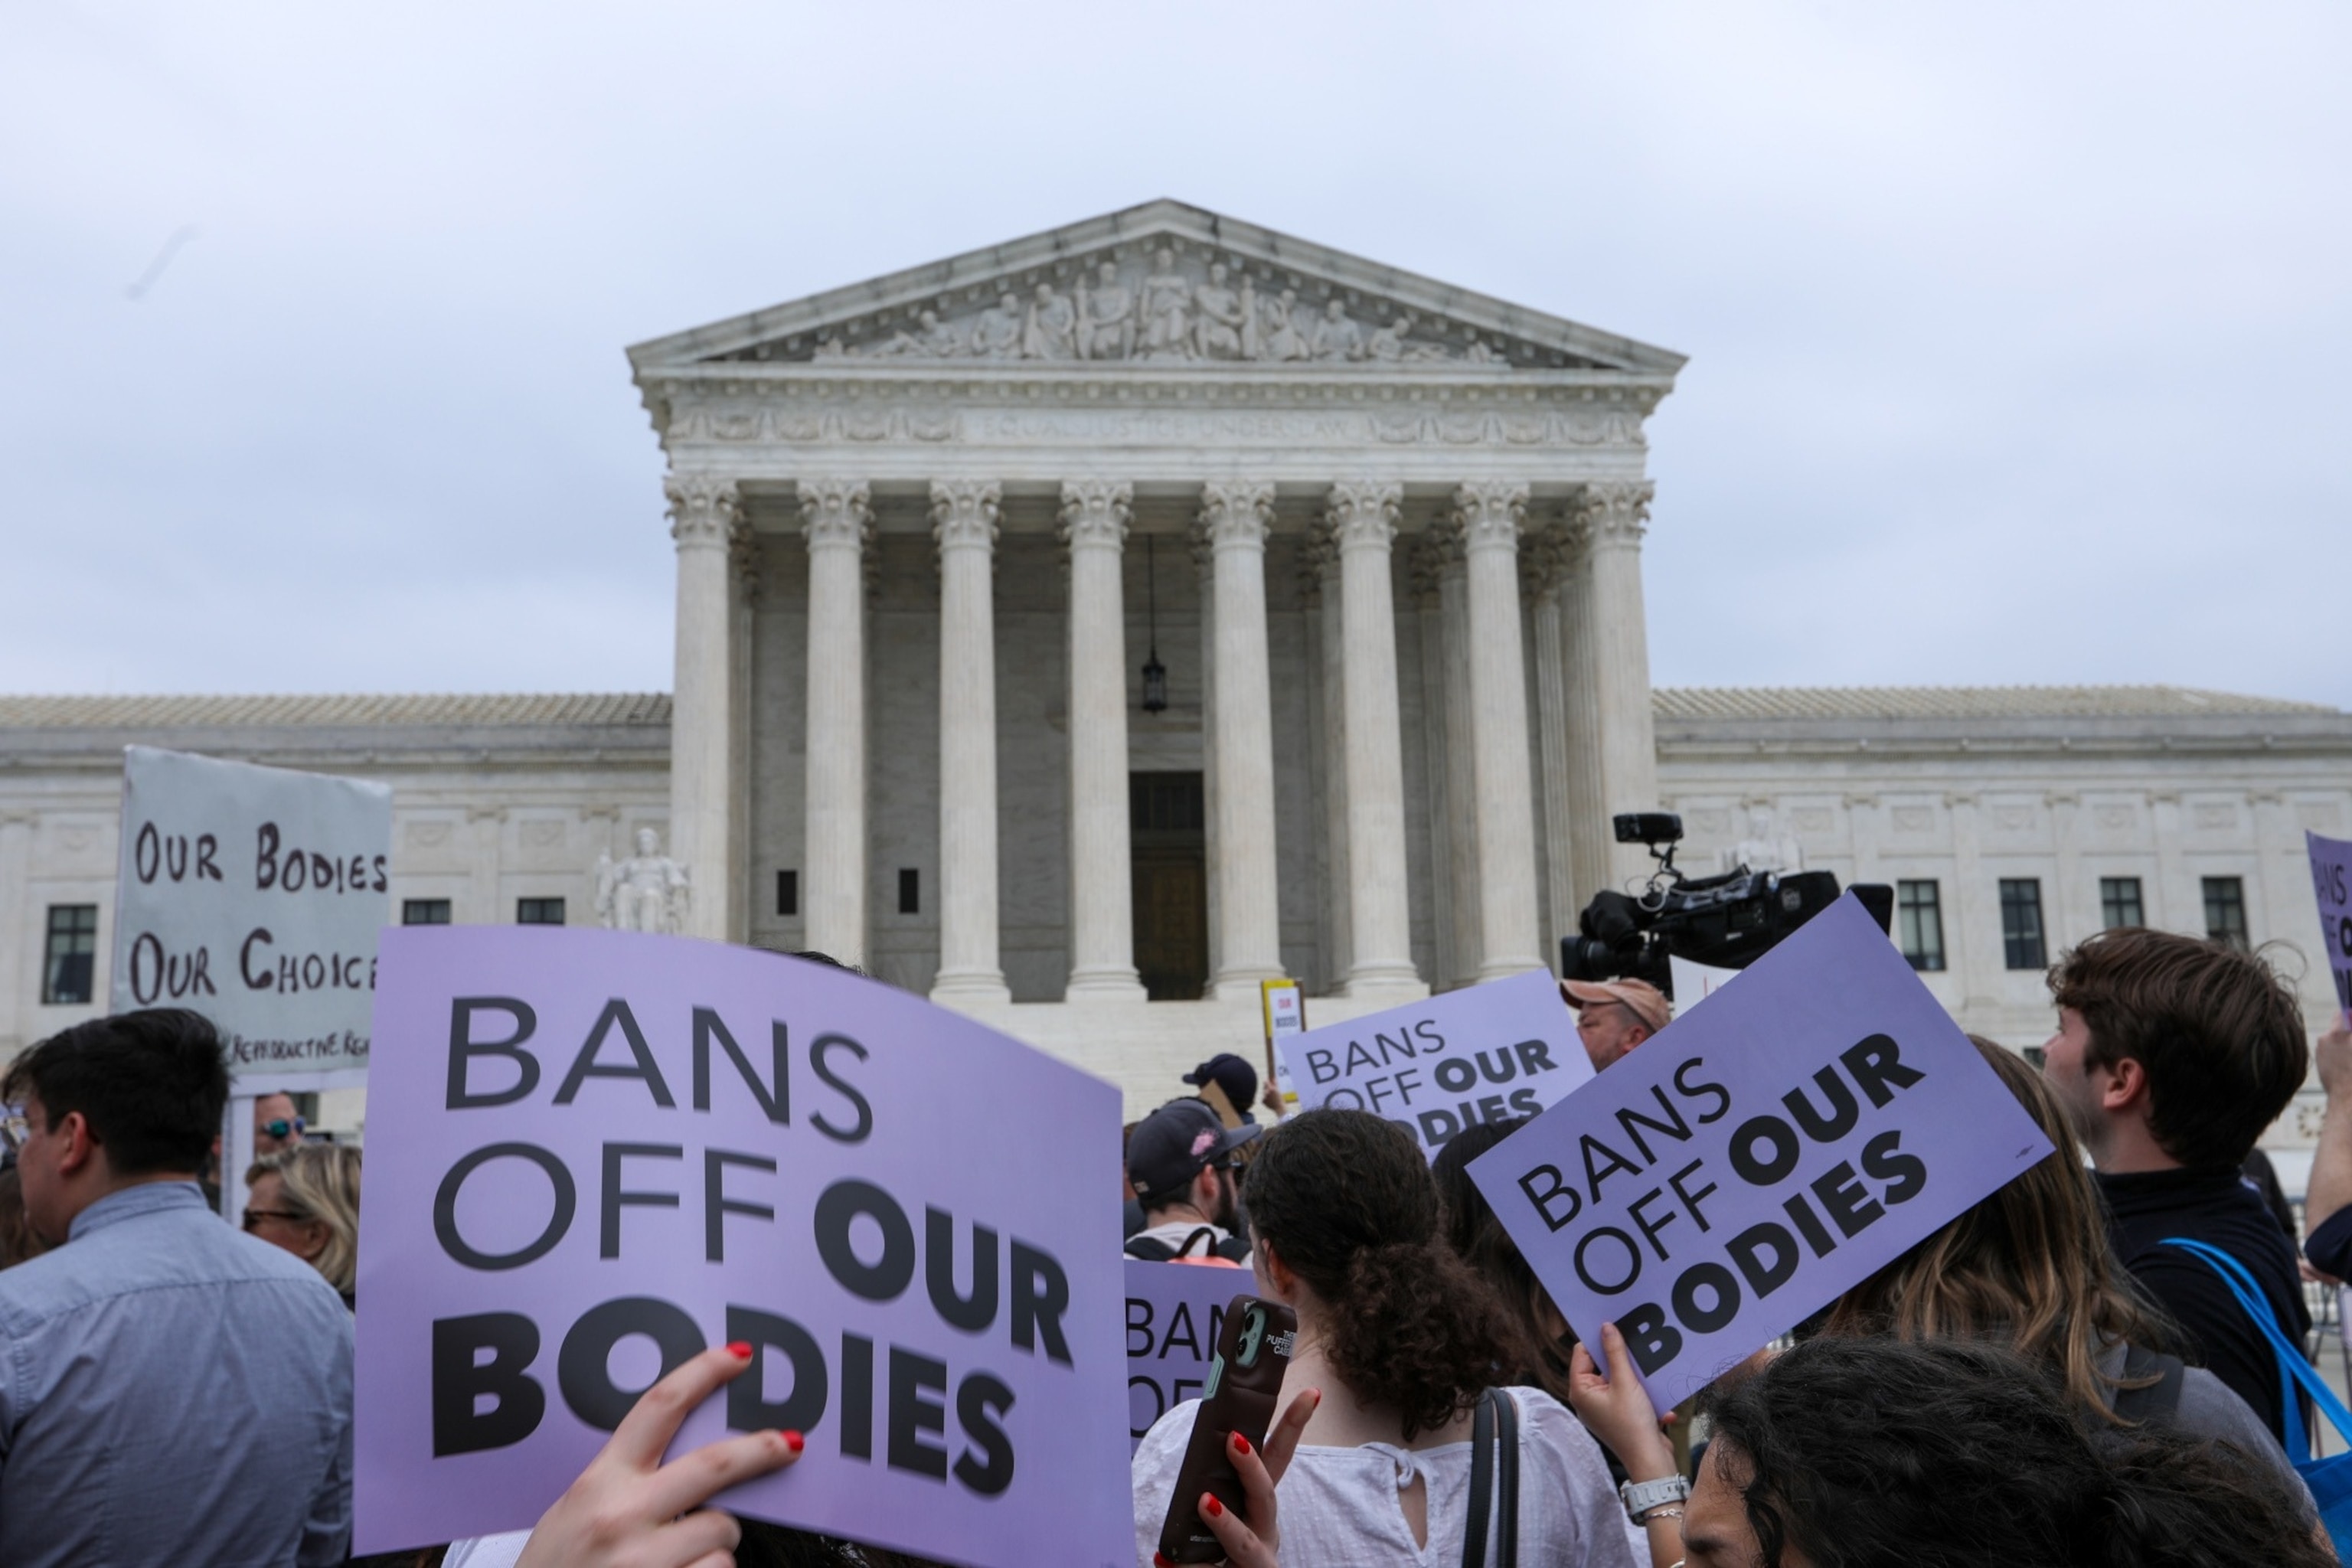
(1236,513)
(964,513)
(1096,512)
(703,509)
(1617,512)
(1364,512)
(1488,513)
(835,511)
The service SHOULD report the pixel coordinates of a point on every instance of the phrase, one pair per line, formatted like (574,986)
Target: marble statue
(935,340)
(1106,317)
(1765,848)
(1278,334)
(997,334)
(1166,310)
(1222,318)
(647,891)
(1052,329)
(1386,341)
(1337,336)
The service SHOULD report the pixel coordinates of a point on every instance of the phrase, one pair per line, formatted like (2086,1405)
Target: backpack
(1226,1253)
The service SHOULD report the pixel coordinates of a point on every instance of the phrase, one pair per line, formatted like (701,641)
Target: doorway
(1167,829)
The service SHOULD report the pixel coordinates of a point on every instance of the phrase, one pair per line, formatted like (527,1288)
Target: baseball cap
(1231,1073)
(1648,1004)
(1176,1143)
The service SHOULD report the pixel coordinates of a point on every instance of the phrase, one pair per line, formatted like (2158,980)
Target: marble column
(838,516)
(1431,551)
(1590,838)
(1461,742)
(1363,518)
(703,512)
(1616,513)
(1102,872)
(1205,565)
(1320,592)
(1234,516)
(1489,514)
(964,522)
(1544,560)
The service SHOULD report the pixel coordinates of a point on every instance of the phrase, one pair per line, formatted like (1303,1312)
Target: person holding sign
(2173,1055)
(1405,1341)
(2328,1206)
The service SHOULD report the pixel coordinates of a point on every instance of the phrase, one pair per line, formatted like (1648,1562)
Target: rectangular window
(71,956)
(1919,923)
(2021,924)
(910,891)
(424,911)
(2119,902)
(538,911)
(788,892)
(2225,912)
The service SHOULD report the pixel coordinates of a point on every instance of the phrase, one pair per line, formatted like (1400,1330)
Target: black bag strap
(1506,1437)
(1149,1250)
(2155,1400)
(1482,1482)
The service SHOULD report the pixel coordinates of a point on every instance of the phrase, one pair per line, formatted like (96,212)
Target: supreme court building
(1085,629)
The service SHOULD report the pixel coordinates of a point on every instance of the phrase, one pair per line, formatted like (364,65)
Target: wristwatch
(1641,1497)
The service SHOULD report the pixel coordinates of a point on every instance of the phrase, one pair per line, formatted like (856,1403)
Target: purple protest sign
(1436,1065)
(1174,1311)
(1760,1156)
(2331,879)
(592,1154)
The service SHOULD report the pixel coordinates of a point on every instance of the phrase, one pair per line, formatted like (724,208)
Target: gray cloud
(2015,330)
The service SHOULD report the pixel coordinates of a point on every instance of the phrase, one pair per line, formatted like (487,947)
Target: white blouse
(1339,1506)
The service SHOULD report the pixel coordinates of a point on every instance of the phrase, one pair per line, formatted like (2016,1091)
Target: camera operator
(1613,1017)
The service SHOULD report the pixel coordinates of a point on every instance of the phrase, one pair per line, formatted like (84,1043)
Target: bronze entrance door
(1170,869)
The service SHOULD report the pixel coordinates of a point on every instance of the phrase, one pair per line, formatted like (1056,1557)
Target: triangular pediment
(1161,285)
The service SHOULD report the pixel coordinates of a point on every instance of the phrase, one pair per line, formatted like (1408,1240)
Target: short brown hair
(2219,1033)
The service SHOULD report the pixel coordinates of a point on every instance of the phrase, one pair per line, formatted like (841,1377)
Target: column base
(1386,982)
(953,986)
(1242,982)
(1504,968)
(1120,984)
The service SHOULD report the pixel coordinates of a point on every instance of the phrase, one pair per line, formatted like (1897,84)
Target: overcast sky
(2019,333)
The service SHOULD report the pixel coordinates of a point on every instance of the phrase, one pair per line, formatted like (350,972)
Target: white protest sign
(1694,982)
(1760,1156)
(593,1153)
(2331,881)
(1485,1053)
(253,896)
(1285,1014)
(1174,1313)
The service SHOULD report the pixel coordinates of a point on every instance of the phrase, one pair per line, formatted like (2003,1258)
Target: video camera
(1727,921)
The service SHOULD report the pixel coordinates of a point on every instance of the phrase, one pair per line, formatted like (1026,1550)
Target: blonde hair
(321,1182)
(2027,1267)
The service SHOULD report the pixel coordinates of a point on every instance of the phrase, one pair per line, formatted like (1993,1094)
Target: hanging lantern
(1155,674)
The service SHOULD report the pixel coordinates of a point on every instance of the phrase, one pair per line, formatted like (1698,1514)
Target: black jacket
(2217,1207)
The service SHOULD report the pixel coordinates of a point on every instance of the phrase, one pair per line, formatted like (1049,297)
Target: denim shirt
(172,1392)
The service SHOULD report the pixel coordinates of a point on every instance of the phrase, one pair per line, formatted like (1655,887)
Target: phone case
(1244,1382)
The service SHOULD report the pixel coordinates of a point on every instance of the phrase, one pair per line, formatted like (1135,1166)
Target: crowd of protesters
(2047,1379)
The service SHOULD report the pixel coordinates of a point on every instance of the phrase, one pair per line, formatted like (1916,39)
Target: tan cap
(1648,1004)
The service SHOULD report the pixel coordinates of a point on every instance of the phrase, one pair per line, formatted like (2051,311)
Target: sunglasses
(281,1127)
(253,1217)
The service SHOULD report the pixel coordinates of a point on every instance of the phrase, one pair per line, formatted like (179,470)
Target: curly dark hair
(1345,1199)
(1868,1453)
(1541,1341)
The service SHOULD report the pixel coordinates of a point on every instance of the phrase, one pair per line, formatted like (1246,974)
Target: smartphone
(1244,1382)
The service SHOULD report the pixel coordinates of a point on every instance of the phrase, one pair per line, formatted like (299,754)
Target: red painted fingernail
(1161,1560)
(1214,1509)
(740,1350)
(794,1441)
(1241,1444)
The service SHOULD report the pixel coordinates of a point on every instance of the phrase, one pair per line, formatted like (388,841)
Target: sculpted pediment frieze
(1156,289)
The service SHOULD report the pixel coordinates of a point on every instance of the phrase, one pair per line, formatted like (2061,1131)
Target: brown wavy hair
(2027,1267)
(1345,1199)
(1543,1341)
